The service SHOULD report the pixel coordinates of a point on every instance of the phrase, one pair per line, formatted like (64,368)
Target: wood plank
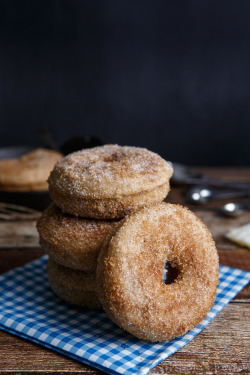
(239,258)
(19,355)
(216,350)
(223,347)
(18,234)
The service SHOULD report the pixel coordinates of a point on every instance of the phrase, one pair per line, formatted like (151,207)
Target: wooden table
(223,347)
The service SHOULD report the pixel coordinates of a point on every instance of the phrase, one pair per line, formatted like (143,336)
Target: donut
(75,287)
(70,241)
(28,172)
(131,266)
(109,182)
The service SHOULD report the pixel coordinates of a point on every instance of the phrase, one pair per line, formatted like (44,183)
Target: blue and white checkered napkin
(28,308)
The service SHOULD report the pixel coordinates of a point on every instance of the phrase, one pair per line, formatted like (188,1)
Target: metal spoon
(235,209)
(204,194)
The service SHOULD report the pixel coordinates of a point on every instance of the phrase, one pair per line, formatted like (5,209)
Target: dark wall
(172,76)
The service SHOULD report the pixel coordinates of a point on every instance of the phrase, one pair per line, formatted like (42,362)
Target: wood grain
(221,348)
(18,234)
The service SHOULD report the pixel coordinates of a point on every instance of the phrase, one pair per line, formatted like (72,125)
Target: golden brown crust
(75,287)
(71,241)
(130,272)
(30,171)
(109,181)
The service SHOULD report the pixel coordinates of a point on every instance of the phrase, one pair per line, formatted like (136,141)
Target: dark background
(172,76)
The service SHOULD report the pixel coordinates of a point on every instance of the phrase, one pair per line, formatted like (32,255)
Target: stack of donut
(91,191)
(109,236)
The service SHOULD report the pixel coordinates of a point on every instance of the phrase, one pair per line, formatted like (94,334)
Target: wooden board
(18,234)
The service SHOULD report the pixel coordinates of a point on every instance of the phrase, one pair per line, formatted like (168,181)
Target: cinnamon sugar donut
(71,241)
(130,272)
(109,182)
(29,172)
(75,287)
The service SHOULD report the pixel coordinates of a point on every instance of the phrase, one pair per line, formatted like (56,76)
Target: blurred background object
(170,76)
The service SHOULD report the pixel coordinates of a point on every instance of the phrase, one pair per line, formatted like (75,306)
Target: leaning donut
(75,287)
(72,242)
(109,182)
(130,272)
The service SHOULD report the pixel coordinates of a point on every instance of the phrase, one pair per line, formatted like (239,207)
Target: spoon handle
(229,194)
(202,194)
(205,180)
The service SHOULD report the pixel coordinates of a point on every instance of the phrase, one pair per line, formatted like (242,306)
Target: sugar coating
(73,286)
(130,272)
(110,171)
(71,241)
(109,182)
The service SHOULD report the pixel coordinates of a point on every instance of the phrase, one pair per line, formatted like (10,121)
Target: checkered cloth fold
(28,308)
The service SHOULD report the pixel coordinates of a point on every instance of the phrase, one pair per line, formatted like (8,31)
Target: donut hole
(170,273)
